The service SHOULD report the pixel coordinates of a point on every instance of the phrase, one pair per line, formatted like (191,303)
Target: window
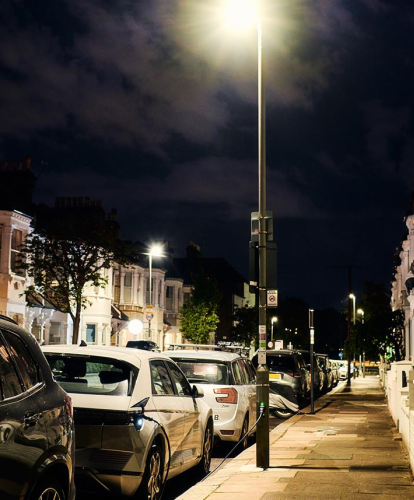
(169,295)
(93,375)
(161,382)
(10,385)
(55,332)
(237,374)
(15,251)
(91,333)
(23,359)
(128,287)
(187,297)
(204,372)
(180,382)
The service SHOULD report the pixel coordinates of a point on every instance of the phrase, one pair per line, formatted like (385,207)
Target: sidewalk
(347,450)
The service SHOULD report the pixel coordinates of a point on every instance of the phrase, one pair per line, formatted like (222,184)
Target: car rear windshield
(280,363)
(204,372)
(93,374)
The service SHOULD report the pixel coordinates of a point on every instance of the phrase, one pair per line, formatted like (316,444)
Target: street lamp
(244,13)
(352,296)
(154,251)
(274,320)
(362,313)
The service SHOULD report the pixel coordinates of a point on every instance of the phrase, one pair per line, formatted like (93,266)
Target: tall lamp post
(274,320)
(154,251)
(361,313)
(352,296)
(242,13)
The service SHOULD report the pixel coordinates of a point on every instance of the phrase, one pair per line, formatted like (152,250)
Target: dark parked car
(318,373)
(288,377)
(145,345)
(325,365)
(36,427)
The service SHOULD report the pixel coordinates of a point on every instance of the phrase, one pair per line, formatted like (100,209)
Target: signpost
(312,341)
(149,314)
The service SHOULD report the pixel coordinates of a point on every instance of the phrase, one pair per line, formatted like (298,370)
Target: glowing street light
(352,296)
(240,14)
(274,320)
(361,312)
(154,251)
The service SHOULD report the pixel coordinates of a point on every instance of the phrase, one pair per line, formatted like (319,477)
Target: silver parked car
(138,420)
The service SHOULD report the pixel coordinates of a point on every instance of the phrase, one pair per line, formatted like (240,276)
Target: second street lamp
(154,251)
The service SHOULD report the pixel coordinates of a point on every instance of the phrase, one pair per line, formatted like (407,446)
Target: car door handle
(30,418)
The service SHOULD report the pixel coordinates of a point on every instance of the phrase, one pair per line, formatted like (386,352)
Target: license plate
(274,376)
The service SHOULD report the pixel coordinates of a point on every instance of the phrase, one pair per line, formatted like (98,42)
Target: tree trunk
(76,325)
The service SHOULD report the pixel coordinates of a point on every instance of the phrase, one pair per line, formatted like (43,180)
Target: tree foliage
(246,319)
(66,256)
(199,316)
(382,332)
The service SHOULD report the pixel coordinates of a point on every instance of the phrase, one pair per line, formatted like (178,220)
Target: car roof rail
(10,320)
(238,349)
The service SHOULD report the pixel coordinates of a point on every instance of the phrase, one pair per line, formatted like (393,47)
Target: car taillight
(229,395)
(69,406)
(294,374)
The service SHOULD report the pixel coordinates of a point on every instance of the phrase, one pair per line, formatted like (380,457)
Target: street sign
(149,316)
(340,354)
(278,344)
(272,298)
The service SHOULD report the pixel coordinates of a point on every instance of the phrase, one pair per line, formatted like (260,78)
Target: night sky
(151,107)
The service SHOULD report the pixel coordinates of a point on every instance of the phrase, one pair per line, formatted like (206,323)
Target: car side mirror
(140,406)
(197,392)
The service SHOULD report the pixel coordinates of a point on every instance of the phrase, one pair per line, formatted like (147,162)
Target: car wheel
(283,413)
(203,467)
(152,485)
(48,489)
(245,428)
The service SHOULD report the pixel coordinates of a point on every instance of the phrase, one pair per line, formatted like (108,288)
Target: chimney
(68,202)
(20,164)
(87,200)
(57,202)
(28,163)
(99,203)
(75,201)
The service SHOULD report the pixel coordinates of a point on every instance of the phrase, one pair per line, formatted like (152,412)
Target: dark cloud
(151,107)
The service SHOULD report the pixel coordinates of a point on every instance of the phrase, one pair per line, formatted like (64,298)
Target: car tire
(283,413)
(245,428)
(203,467)
(153,481)
(48,489)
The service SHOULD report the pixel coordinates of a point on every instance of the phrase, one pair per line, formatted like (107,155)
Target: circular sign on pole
(340,354)
(149,316)
(270,345)
(135,326)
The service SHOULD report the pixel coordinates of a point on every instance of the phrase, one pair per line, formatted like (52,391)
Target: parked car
(318,373)
(138,420)
(287,370)
(335,374)
(36,423)
(146,345)
(228,382)
(324,364)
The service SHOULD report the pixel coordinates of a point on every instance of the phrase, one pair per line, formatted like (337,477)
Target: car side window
(10,385)
(237,374)
(244,372)
(250,370)
(161,382)
(179,380)
(26,365)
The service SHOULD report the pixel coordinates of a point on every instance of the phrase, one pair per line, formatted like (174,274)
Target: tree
(199,316)
(246,320)
(382,332)
(70,252)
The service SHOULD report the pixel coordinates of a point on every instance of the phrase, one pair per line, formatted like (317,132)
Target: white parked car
(228,382)
(138,422)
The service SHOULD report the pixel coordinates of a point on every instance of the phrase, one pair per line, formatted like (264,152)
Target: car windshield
(204,372)
(92,374)
(280,363)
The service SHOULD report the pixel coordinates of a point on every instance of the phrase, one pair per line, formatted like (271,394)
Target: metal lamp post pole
(262,436)
(150,293)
